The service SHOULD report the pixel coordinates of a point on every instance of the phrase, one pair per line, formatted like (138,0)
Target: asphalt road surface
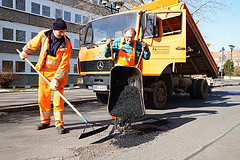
(186,129)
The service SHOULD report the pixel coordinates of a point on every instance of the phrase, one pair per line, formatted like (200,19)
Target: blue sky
(224,30)
(224,27)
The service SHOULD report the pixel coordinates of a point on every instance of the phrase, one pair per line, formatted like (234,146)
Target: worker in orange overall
(53,63)
(127,50)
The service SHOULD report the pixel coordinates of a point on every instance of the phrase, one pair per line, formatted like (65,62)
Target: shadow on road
(147,131)
(215,99)
(150,126)
(81,125)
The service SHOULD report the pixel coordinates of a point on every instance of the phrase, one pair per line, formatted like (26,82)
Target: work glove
(53,84)
(108,42)
(23,55)
(145,46)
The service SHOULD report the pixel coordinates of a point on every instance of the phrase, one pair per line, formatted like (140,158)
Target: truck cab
(178,52)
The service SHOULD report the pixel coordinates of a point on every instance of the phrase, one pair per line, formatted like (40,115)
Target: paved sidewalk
(23,100)
(234,81)
(27,100)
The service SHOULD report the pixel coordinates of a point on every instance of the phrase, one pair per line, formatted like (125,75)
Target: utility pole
(230,72)
(222,58)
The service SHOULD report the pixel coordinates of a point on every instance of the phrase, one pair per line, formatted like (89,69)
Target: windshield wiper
(91,45)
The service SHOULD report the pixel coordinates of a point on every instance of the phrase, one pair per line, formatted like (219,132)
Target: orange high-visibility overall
(124,58)
(51,67)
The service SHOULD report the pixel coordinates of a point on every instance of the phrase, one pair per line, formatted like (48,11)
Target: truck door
(166,34)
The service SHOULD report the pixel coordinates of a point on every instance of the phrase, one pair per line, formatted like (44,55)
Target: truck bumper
(94,80)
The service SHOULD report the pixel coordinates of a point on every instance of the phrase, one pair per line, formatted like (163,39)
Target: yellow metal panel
(93,53)
(156,5)
(166,50)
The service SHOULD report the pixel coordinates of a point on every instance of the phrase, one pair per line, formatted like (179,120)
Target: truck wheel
(103,98)
(159,95)
(201,89)
(192,89)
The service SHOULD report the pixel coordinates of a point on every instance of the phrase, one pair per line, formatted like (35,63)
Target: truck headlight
(80,80)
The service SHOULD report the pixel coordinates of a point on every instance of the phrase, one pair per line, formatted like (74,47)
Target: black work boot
(61,130)
(42,126)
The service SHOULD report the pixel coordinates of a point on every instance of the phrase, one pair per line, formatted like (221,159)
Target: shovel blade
(94,131)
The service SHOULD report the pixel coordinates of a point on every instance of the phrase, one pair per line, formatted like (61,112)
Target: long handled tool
(111,49)
(140,58)
(83,135)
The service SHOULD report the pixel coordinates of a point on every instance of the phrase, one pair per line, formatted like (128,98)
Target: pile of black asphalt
(128,104)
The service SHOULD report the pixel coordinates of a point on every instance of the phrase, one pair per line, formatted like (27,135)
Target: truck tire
(192,89)
(103,98)
(159,95)
(201,89)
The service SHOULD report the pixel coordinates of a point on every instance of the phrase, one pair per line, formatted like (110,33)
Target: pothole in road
(140,133)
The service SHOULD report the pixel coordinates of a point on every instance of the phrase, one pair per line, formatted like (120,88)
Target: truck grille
(95,66)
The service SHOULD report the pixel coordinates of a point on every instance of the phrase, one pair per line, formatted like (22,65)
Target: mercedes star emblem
(100,65)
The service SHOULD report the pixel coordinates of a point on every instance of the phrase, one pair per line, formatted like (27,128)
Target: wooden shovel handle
(140,58)
(111,49)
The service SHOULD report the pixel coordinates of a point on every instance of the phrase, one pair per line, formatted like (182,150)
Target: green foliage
(226,67)
(237,71)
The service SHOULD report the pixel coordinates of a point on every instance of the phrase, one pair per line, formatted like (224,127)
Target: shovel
(125,82)
(87,123)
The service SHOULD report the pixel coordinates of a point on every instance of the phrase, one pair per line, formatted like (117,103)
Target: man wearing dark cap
(53,63)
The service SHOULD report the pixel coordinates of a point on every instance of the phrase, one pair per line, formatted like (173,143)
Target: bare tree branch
(200,7)
(205,9)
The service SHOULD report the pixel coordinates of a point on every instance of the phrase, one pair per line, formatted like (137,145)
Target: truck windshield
(109,27)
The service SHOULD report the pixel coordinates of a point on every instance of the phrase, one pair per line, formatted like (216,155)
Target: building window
(46,11)
(76,43)
(7,3)
(7,33)
(7,66)
(33,34)
(58,13)
(67,16)
(85,19)
(20,35)
(35,8)
(20,66)
(77,18)
(75,68)
(95,2)
(20,4)
(33,70)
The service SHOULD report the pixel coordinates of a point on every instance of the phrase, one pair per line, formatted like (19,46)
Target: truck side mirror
(144,21)
(154,25)
(154,19)
(81,33)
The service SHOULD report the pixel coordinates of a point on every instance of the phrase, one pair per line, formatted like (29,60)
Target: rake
(87,123)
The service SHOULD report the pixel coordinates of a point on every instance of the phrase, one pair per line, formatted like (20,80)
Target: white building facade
(20,20)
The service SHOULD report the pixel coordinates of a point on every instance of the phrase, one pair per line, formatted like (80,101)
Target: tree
(226,67)
(6,78)
(205,9)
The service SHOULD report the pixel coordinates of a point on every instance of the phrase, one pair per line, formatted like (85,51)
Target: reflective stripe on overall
(124,58)
(50,71)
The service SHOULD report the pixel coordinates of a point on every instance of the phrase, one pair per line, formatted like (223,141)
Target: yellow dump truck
(178,52)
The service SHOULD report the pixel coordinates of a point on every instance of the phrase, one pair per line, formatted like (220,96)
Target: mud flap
(126,93)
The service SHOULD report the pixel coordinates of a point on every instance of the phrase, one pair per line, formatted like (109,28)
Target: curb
(34,106)
(221,85)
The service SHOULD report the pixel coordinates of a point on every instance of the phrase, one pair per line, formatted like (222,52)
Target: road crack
(211,143)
